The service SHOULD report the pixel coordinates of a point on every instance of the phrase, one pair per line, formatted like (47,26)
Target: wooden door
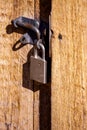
(24,105)
(69,65)
(16,95)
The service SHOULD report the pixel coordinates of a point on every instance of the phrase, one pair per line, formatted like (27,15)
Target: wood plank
(84,63)
(69,68)
(16,99)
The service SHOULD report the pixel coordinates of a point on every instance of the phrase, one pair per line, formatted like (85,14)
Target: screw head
(60,36)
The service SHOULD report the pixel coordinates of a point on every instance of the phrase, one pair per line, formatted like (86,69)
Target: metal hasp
(28,24)
(38,64)
(41,29)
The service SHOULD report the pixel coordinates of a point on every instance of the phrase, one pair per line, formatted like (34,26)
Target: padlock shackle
(43,51)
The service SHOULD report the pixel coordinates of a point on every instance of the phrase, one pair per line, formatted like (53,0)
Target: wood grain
(69,67)
(16,101)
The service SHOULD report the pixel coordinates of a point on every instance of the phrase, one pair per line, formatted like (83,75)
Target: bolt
(60,36)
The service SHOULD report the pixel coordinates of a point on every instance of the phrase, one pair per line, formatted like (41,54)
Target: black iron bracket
(35,30)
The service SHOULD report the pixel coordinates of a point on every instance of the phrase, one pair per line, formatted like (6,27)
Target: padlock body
(38,69)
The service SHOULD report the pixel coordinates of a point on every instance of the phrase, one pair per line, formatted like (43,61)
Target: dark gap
(45,90)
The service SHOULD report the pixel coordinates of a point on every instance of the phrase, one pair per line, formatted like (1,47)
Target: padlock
(38,66)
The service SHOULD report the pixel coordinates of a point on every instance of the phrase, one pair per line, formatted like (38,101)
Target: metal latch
(41,37)
(28,24)
(41,29)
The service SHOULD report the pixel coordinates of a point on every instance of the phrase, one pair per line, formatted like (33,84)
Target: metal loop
(39,46)
(43,50)
(27,23)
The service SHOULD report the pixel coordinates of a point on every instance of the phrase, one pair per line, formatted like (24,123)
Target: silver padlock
(38,66)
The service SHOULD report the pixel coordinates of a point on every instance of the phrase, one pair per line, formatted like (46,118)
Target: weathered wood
(69,65)
(16,98)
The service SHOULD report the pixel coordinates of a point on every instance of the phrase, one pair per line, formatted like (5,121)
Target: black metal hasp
(30,24)
(35,31)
